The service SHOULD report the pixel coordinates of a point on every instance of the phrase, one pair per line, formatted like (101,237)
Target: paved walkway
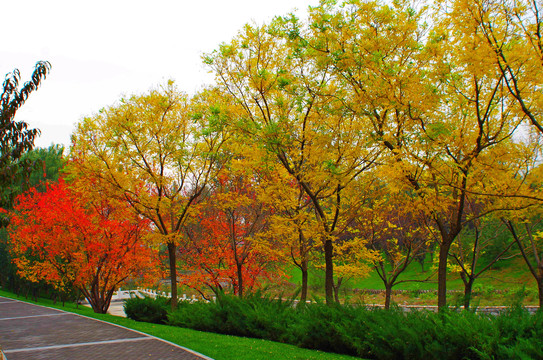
(29,331)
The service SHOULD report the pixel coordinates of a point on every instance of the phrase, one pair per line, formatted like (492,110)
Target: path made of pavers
(29,331)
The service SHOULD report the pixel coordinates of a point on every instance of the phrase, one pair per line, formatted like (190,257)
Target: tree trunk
(329,271)
(540,288)
(468,286)
(336,289)
(240,280)
(100,307)
(442,275)
(173,274)
(303,296)
(97,305)
(388,295)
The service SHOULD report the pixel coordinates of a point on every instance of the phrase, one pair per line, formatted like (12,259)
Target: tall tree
(287,107)
(15,136)
(157,152)
(433,98)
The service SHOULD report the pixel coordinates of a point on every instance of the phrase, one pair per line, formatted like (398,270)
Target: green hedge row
(355,330)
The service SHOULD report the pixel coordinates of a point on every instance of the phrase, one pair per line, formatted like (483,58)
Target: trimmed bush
(368,333)
(256,315)
(147,309)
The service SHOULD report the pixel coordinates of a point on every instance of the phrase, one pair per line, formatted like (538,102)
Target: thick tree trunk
(329,271)
(173,274)
(303,295)
(99,307)
(388,295)
(442,275)
(97,303)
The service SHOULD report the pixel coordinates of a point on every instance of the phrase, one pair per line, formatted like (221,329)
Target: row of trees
(359,99)
(360,137)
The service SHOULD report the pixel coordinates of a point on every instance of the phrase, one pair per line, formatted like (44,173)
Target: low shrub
(368,333)
(322,327)
(147,309)
(520,334)
(256,315)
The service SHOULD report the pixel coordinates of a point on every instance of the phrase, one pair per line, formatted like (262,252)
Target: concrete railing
(127,294)
(121,295)
(493,310)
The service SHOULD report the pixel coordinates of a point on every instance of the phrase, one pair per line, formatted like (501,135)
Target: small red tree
(228,242)
(66,238)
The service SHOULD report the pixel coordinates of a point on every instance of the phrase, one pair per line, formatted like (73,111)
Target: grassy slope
(219,347)
(509,274)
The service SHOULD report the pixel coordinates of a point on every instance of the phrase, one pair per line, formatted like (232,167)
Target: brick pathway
(29,331)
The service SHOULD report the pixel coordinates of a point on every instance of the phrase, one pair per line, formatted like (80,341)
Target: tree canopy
(15,136)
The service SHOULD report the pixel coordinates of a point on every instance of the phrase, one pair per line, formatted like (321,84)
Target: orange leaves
(63,236)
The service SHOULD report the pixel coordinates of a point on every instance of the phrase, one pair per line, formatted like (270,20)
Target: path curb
(76,315)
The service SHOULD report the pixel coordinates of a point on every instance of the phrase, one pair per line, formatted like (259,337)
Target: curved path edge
(41,331)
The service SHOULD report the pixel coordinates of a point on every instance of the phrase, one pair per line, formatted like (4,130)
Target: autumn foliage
(227,245)
(63,237)
(375,128)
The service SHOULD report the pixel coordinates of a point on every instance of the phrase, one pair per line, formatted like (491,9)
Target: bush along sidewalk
(356,330)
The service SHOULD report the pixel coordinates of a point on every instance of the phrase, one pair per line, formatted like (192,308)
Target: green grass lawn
(219,347)
(508,274)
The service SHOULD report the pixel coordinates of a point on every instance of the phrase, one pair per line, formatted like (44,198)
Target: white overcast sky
(103,49)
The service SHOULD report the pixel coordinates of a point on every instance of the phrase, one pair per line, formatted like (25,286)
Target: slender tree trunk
(173,274)
(303,296)
(107,301)
(329,271)
(388,295)
(240,280)
(540,288)
(336,289)
(468,286)
(442,274)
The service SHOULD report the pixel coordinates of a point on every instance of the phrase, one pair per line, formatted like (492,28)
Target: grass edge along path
(216,346)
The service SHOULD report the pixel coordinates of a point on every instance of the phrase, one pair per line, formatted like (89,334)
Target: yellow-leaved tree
(288,107)
(432,99)
(156,151)
(514,31)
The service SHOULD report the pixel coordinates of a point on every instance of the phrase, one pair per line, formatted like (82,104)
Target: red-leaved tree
(67,238)
(228,243)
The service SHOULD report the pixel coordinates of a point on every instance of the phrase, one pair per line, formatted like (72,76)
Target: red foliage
(69,238)
(227,246)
